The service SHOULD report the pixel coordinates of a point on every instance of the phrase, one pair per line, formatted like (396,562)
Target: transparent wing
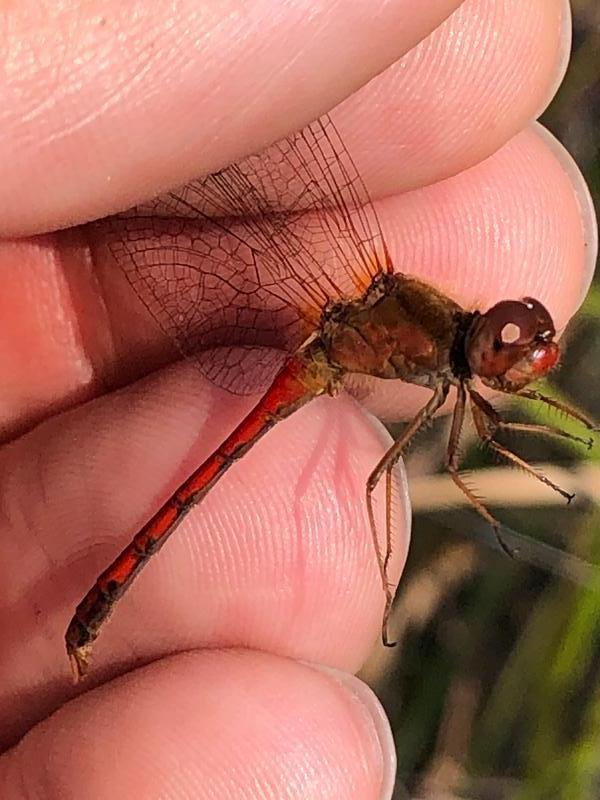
(247,258)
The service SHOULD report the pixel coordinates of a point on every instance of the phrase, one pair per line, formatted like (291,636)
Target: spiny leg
(483,410)
(453,464)
(388,589)
(547,430)
(533,394)
(527,427)
(389,473)
(386,465)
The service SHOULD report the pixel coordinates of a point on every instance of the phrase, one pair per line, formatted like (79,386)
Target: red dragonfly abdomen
(304,376)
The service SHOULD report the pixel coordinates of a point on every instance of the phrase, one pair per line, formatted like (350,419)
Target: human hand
(278,558)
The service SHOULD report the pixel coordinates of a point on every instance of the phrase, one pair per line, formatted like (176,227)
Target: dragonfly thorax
(401,329)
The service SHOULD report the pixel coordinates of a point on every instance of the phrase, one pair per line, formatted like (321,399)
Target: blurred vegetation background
(494,687)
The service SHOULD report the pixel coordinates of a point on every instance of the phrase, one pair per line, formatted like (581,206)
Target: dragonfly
(274,271)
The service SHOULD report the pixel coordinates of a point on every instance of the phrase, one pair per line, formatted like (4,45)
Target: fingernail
(563,55)
(380,724)
(586,204)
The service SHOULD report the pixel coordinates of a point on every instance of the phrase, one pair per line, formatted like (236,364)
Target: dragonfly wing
(248,257)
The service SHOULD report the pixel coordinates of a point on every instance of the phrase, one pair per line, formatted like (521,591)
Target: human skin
(213,678)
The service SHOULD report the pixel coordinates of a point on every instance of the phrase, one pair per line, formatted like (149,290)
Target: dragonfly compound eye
(512,343)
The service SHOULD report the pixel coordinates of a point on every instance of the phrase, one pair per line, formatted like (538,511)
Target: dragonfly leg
(485,415)
(496,420)
(533,394)
(453,465)
(386,466)
(547,430)
(389,474)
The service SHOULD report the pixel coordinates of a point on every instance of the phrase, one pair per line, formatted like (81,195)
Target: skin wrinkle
(96,329)
(305,537)
(23,517)
(45,499)
(70,330)
(59,91)
(119,89)
(301,490)
(38,64)
(346,478)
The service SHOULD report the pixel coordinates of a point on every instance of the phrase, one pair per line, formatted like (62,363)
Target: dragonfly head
(512,344)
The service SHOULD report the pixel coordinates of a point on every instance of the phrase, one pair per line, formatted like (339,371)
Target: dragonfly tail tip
(79,660)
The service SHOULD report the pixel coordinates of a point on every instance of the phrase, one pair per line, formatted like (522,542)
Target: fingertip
(376,716)
(211,723)
(476,81)
(508,227)
(562,53)
(587,211)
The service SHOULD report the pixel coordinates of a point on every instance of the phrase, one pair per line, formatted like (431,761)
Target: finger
(102,109)
(278,557)
(57,346)
(463,92)
(212,724)
(519,223)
